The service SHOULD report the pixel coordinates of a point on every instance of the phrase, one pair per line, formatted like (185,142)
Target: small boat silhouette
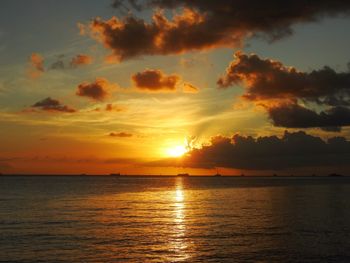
(183,175)
(335,175)
(217,173)
(115,174)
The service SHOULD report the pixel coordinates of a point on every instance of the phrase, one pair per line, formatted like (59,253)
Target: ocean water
(173,219)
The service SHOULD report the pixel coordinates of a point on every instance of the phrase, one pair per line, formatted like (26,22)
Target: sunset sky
(166,87)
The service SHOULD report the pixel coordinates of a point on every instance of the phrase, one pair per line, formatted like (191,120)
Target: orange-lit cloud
(205,24)
(133,37)
(52,105)
(98,90)
(80,60)
(279,89)
(37,65)
(189,88)
(76,61)
(155,80)
(269,79)
(82,29)
(110,107)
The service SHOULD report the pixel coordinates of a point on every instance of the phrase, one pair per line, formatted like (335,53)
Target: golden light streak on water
(178,241)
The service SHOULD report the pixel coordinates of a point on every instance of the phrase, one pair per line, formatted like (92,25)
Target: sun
(176,151)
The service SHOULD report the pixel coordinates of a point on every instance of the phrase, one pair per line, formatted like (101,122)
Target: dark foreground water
(145,219)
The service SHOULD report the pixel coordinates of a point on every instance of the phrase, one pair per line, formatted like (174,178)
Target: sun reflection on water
(178,242)
(179,206)
(179,195)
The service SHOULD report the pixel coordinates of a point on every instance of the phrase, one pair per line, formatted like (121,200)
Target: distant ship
(113,174)
(217,173)
(335,175)
(183,175)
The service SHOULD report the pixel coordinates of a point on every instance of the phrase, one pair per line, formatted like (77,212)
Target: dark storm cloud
(52,105)
(98,90)
(205,24)
(279,89)
(155,80)
(292,150)
(296,116)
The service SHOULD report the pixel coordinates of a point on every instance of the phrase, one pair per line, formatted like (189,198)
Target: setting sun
(176,151)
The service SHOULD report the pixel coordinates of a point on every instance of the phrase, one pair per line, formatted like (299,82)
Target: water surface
(172,219)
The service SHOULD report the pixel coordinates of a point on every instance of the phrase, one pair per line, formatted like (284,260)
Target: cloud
(270,83)
(189,88)
(98,90)
(80,60)
(77,61)
(132,37)
(120,134)
(57,65)
(37,61)
(205,24)
(155,80)
(119,4)
(110,107)
(37,65)
(82,29)
(52,105)
(292,150)
(270,79)
(296,116)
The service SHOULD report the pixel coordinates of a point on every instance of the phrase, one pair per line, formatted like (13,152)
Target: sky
(167,87)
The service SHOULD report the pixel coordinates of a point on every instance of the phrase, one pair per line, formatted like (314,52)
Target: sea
(174,219)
